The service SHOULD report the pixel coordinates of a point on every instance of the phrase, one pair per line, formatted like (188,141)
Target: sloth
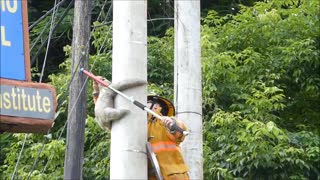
(104,110)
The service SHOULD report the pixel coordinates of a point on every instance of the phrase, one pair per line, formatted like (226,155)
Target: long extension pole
(135,102)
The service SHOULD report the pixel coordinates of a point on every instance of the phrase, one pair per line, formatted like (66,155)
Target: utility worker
(165,142)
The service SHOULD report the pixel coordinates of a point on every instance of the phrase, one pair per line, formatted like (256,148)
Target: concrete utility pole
(77,97)
(187,81)
(129,135)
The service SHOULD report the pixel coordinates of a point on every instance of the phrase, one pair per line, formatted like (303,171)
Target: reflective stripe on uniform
(164,146)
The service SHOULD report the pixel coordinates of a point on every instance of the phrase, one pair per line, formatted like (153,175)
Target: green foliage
(158,13)
(261,92)
(239,146)
(260,95)
(97,156)
(102,36)
(61,35)
(160,59)
(260,46)
(52,151)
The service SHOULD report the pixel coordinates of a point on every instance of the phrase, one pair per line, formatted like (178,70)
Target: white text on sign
(4,41)
(26,102)
(10,6)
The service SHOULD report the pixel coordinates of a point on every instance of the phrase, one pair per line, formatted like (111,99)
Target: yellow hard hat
(167,106)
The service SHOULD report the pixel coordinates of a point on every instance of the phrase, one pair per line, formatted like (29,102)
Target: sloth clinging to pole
(104,101)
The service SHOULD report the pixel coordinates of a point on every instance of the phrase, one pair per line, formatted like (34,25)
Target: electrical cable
(158,19)
(54,28)
(40,35)
(41,149)
(25,139)
(36,161)
(19,157)
(148,20)
(72,108)
(105,37)
(49,40)
(45,15)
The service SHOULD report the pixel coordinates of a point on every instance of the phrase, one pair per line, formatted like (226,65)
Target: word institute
(25,102)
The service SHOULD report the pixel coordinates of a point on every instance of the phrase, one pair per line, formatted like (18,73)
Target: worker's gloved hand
(168,121)
(172,125)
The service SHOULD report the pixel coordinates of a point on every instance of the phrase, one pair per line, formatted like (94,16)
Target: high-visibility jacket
(166,147)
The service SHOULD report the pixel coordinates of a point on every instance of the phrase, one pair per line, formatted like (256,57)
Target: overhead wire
(55,8)
(51,30)
(36,160)
(77,67)
(59,137)
(40,35)
(105,37)
(48,44)
(54,28)
(150,20)
(25,139)
(153,28)
(19,157)
(45,15)
(158,19)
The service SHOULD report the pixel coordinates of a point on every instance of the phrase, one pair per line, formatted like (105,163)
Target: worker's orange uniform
(166,147)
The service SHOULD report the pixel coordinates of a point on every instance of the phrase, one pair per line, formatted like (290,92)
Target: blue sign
(12,62)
